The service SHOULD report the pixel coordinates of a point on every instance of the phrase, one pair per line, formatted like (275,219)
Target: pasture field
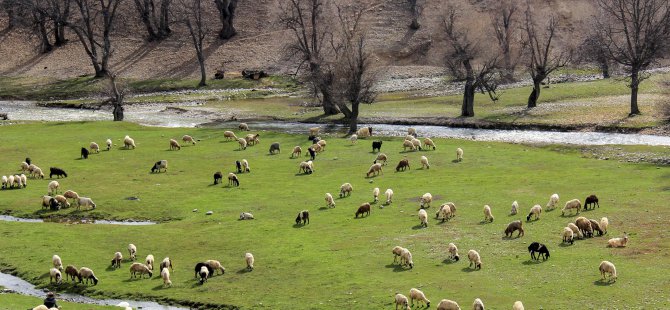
(336,261)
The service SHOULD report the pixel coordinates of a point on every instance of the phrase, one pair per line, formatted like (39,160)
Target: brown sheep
(363,209)
(403,164)
(513,226)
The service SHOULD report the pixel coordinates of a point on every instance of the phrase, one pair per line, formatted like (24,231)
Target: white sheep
(174,145)
(245,166)
(314,131)
(453,251)
(330,202)
(604,223)
(297,151)
(53,187)
(25,167)
(58,263)
(424,162)
(304,167)
(116,260)
(17,181)
(381,157)
(478,304)
(322,143)
(475,259)
(568,235)
(536,210)
(54,274)
(402,301)
(188,139)
(487,213)
(109,144)
(37,173)
(572,204)
(446,304)
(397,251)
(140,268)
(243,126)
(94,147)
(165,274)
(408,144)
(71,195)
(417,294)
(132,251)
(229,135)
(215,265)
(389,196)
(423,217)
(128,142)
(428,142)
(375,194)
(618,242)
(406,257)
(608,267)
(246,216)
(515,208)
(87,273)
(5,182)
(447,211)
(518,305)
(553,201)
(243,144)
(425,200)
(577,232)
(346,189)
(364,132)
(353,138)
(375,169)
(249,259)
(417,144)
(24,180)
(411,131)
(85,202)
(459,154)
(62,201)
(204,274)
(409,137)
(149,261)
(167,262)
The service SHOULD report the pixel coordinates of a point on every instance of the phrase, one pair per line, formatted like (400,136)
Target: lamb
(423,217)
(297,151)
(243,144)
(132,251)
(167,262)
(389,196)
(62,201)
(397,251)
(188,139)
(475,259)
(116,260)
(403,164)
(57,171)
(446,304)
(406,256)
(417,144)
(94,147)
(572,204)
(402,301)
(53,187)
(487,213)
(425,200)
(447,210)
(72,272)
(246,216)
(381,157)
(50,203)
(109,144)
(424,162)
(243,126)
(24,180)
(353,138)
(204,274)
(591,200)
(518,305)
(346,189)
(364,132)
(274,147)
(407,144)
(459,154)
(536,210)
(330,202)
(174,145)
(218,177)
(515,208)
(57,262)
(375,194)
(596,227)
(427,142)
(363,209)
(553,201)
(85,202)
(128,142)
(161,164)
(568,235)
(149,261)
(54,274)
(478,304)
(584,226)
(604,223)
(87,273)
(233,180)
(215,265)
(249,258)
(303,217)
(418,295)
(84,153)
(375,169)
(141,269)
(165,274)
(229,135)
(376,146)
(608,267)
(453,252)
(618,242)
(513,226)
(540,248)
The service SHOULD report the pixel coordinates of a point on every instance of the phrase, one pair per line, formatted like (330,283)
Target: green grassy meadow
(336,261)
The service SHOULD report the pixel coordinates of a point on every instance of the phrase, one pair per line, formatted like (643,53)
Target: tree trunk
(605,68)
(164,24)
(415,24)
(468,107)
(44,35)
(535,94)
(329,107)
(226,14)
(634,86)
(118,112)
(59,33)
(353,119)
(203,74)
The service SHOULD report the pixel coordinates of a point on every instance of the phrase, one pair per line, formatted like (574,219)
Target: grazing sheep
(37,173)
(161,164)
(252,139)
(71,194)
(478,304)
(364,132)
(165,274)
(540,248)
(132,251)
(389,196)
(305,167)
(246,216)
(316,147)
(406,256)
(311,153)
(514,226)
(274,147)
(474,258)
(377,146)
(314,131)
(24,180)
(25,167)
(71,272)
(568,235)
(424,162)
(375,194)
(245,166)
(518,305)
(536,210)
(218,177)
(18,181)
(109,144)
(353,138)
(459,154)
(297,151)
(447,211)
(198,268)
(397,251)
(84,153)
(572,204)
(322,144)
(116,260)
(233,180)
(425,200)
(174,145)
(604,223)
(407,144)
(418,295)
(423,217)
(87,273)
(229,135)
(243,144)
(608,267)
(5,182)
(402,301)
(215,265)
(188,139)
(375,169)
(417,144)
(249,258)
(167,262)
(303,217)
(591,200)
(53,187)
(487,213)
(346,189)
(149,261)
(85,202)
(330,202)
(54,274)
(141,269)
(576,230)
(446,304)
(58,263)
(62,201)
(381,157)
(515,208)
(204,274)
(243,126)
(56,171)
(238,165)
(403,164)
(50,203)
(411,131)
(128,142)
(427,142)
(453,252)
(596,226)
(553,201)
(94,147)
(618,242)
(584,226)
(363,209)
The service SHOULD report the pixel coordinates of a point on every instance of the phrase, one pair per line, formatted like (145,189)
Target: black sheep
(312,153)
(238,164)
(376,145)
(218,177)
(53,204)
(540,248)
(303,216)
(28,161)
(200,265)
(57,171)
(591,200)
(84,153)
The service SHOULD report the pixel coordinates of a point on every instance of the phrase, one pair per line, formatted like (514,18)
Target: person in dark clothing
(50,301)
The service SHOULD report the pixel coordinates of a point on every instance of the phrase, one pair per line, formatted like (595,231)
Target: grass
(16,301)
(336,261)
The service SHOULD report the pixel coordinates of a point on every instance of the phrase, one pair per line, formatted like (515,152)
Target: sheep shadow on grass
(397,267)
(158,287)
(244,270)
(417,227)
(510,237)
(299,225)
(468,269)
(533,262)
(455,161)
(601,282)
(565,245)
(449,261)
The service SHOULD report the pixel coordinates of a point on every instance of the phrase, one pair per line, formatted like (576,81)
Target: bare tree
(93,27)
(116,96)
(542,57)
(47,17)
(504,26)
(593,50)
(59,12)
(157,22)
(226,10)
(191,15)
(635,33)
(415,9)
(305,21)
(462,53)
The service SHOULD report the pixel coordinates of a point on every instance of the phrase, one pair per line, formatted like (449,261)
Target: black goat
(56,171)
(218,177)
(84,153)
(540,248)
(591,200)
(303,216)
(376,145)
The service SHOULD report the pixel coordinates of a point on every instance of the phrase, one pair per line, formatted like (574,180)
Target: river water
(9,218)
